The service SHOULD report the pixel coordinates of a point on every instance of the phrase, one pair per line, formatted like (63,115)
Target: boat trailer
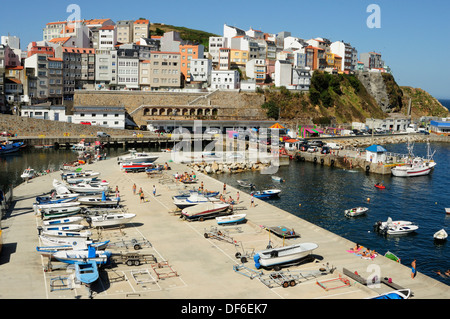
(220,234)
(135,243)
(133,259)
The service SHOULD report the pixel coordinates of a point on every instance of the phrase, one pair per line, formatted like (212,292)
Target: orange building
(189,52)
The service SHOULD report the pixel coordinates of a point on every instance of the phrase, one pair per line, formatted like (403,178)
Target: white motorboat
(231,219)
(99,201)
(204,210)
(398,227)
(106,220)
(447,210)
(72,174)
(64,227)
(28,173)
(137,157)
(80,179)
(54,206)
(357,211)
(277,179)
(73,256)
(277,257)
(60,187)
(440,235)
(267,193)
(55,199)
(415,166)
(193,199)
(88,188)
(50,213)
(67,234)
(244,183)
(76,242)
(63,221)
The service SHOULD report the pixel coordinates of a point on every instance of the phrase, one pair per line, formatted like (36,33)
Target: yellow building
(238,57)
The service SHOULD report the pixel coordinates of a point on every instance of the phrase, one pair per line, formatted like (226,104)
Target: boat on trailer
(282,256)
(204,210)
(67,234)
(106,220)
(64,227)
(230,219)
(101,257)
(63,221)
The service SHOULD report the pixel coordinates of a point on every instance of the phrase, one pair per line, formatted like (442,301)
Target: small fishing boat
(267,194)
(7,147)
(63,221)
(62,233)
(204,210)
(99,201)
(106,220)
(231,219)
(398,227)
(86,272)
(64,227)
(396,294)
(28,173)
(440,235)
(59,212)
(357,211)
(137,157)
(277,257)
(277,179)
(88,188)
(101,257)
(56,199)
(380,186)
(244,183)
(193,199)
(77,243)
(392,256)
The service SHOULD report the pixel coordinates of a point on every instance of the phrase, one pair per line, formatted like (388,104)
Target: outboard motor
(377,226)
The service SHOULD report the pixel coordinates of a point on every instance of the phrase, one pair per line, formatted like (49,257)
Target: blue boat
(56,199)
(86,272)
(267,194)
(396,294)
(10,147)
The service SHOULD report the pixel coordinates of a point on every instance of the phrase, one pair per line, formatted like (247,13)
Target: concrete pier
(190,266)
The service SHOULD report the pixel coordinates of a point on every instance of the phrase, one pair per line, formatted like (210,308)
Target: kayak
(380,186)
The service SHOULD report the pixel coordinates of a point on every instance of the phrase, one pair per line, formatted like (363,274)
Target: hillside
(422,103)
(195,36)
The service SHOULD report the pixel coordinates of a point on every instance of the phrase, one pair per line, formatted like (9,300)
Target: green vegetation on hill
(195,36)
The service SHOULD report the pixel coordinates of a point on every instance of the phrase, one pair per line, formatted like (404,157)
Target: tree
(272,108)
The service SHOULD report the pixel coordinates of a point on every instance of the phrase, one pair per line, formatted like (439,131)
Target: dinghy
(231,219)
(357,211)
(62,233)
(86,272)
(204,210)
(440,235)
(392,256)
(267,194)
(101,257)
(64,227)
(106,220)
(63,221)
(277,257)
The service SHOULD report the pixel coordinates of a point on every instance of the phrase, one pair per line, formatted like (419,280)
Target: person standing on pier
(134,189)
(252,201)
(224,188)
(141,195)
(413,269)
(154,190)
(237,198)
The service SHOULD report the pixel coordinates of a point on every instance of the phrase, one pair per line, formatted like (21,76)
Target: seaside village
(109,226)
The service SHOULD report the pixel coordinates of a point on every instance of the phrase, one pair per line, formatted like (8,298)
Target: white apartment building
(283,73)
(107,37)
(230,32)
(348,54)
(256,69)
(225,80)
(224,59)
(201,70)
(128,69)
(165,70)
(144,74)
(215,44)
(106,69)
(103,116)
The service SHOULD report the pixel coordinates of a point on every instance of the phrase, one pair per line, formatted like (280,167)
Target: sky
(413,36)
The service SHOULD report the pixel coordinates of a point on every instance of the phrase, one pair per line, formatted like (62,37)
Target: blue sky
(413,38)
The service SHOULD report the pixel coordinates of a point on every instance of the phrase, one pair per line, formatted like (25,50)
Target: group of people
(141,192)
(186,177)
(366,253)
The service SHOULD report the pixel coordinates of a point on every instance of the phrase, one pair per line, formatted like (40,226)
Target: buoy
(368,199)
(299,205)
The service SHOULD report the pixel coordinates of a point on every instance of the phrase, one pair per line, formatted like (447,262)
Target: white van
(334,146)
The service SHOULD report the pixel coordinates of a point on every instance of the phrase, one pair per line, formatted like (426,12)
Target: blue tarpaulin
(376,149)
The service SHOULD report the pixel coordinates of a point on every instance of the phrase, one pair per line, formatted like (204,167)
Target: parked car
(85,123)
(102,134)
(316,143)
(313,149)
(6,134)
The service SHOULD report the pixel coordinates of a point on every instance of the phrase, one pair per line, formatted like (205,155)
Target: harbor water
(320,194)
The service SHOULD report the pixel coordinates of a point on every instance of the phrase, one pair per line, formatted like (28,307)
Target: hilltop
(196,36)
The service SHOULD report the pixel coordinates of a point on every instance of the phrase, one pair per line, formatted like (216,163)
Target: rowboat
(64,227)
(357,211)
(101,257)
(62,233)
(106,220)
(440,235)
(267,194)
(396,294)
(230,219)
(204,210)
(276,257)
(63,221)
(86,272)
